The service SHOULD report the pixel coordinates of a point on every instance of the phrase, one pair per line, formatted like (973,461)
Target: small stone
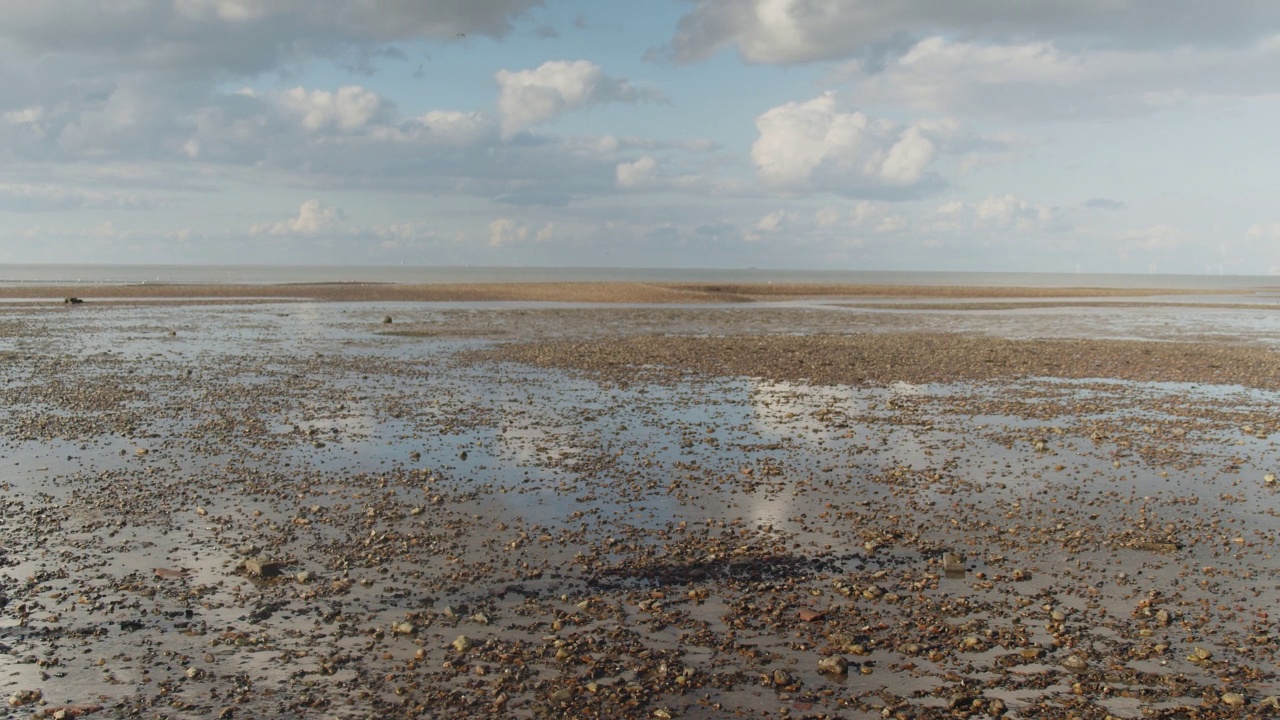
(195,673)
(260,568)
(953,563)
(462,644)
(1233,699)
(562,695)
(834,665)
(201,511)
(303,576)
(402,628)
(1075,664)
(1269,478)
(386,320)
(25,697)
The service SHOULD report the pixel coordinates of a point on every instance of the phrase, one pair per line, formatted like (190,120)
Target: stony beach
(638,501)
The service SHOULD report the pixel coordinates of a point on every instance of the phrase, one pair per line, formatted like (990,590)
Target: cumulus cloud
(533,97)
(637,174)
(797,31)
(506,231)
(994,213)
(313,218)
(1263,231)
(1009,212)
(349,108)
(815,145)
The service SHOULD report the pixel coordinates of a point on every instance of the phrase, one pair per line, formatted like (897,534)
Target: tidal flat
(762,504)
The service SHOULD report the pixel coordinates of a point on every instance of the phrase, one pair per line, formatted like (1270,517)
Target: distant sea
(280,274)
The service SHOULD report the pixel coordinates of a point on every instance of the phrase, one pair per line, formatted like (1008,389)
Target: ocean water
(280,274)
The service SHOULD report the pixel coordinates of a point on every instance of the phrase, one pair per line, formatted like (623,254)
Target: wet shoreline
(294,508)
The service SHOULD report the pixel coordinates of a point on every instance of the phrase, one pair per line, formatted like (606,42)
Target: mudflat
(404,508)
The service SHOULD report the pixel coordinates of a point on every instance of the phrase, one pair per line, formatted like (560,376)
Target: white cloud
(637,174)
(1039,80)
(533,97)
(458,128)
(1263,231)
(1009,212)
(994,213)
(350,108)
(313,218)
(773,222)
(31,197)
(815,145)
(797,31)
(505,231)
(1156,237)
(908,158)
(25,116)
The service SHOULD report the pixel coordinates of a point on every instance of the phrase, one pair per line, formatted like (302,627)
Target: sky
(987,135)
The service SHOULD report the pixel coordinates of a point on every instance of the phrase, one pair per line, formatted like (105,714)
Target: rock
(194,673)
(403,628)
(462,644)
(1269,478)
(303,577)
(247,550)
(24,697)
(1234,699)
(562,695)
(953,563)
(386,320)
(782,677)
(260,568)
(72,301)
(834,665)
(1075,664)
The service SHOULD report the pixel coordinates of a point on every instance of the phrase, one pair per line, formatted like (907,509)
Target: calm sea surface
(276,274)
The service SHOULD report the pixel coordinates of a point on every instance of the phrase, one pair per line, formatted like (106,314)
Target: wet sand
(702,511)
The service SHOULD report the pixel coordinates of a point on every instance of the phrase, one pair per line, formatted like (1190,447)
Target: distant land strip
(573,292)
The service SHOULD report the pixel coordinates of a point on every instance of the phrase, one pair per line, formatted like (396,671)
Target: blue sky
(1091,135)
